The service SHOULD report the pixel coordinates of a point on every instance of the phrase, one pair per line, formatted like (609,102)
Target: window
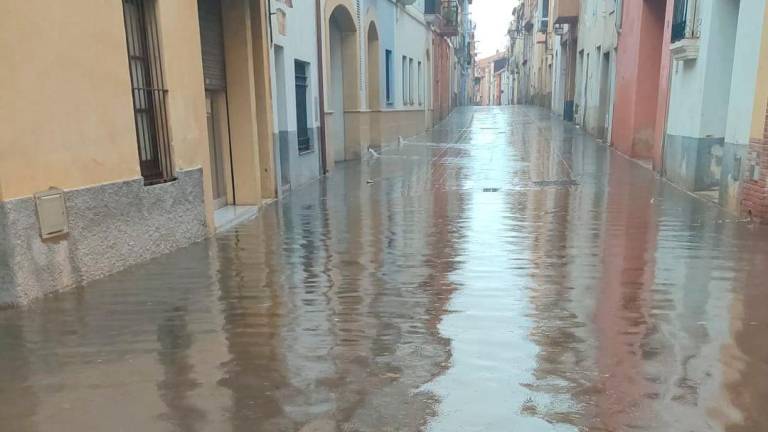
(405,80)
(544,14)
(432,7)
(149,94)
(420,77)
(388,74)
(302,114)
(410,81)
(684,20)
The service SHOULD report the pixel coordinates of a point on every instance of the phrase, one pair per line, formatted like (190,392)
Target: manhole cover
(556,183)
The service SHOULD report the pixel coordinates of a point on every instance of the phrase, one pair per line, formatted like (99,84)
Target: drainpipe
(321,85)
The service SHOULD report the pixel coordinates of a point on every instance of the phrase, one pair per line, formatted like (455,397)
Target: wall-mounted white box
(51,213)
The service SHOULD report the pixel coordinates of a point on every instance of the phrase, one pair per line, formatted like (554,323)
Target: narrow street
(502,273)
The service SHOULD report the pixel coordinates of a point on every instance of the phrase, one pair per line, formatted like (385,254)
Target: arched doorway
(373,67)
(342,74)
(372,78)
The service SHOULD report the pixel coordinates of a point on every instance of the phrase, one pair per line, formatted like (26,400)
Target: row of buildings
(135,127)
(680,85)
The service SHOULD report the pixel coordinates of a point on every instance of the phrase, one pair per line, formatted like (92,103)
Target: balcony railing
(685,30)
(684,20)
(444,14)
(679,20)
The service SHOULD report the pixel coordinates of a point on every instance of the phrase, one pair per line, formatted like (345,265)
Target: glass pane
(145,137)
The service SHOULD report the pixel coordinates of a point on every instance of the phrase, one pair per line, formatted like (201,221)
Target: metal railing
(151,113)
(448,13)
(680,20)
(149,96)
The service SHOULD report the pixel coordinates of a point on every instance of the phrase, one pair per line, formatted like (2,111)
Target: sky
(492,18)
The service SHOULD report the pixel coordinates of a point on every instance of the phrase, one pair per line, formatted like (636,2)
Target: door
(218,173)
(212,53)
(605,100)
(283,145)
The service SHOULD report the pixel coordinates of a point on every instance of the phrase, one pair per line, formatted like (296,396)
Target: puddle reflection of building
(565,219)
(627,258)
(18,394)
(252,303)
(745,359)
(174,340)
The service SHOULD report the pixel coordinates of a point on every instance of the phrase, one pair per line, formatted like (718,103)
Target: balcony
(566,11)
(444,15)
(685,31)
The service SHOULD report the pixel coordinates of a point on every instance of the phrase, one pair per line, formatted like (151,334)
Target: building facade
(489,74)
(675,84)
(754,191)
(125,173)
(715,52)
(518,52)
(595,67)
(565,18)
(296,93)
(196,113)
(639,72)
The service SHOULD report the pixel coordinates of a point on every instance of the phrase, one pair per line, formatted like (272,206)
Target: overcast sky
(492,18)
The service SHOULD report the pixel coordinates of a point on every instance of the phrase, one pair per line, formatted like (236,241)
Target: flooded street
(503,272)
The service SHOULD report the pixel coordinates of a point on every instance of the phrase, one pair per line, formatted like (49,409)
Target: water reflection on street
(501,273)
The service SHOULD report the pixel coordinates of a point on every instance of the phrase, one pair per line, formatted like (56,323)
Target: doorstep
(229,216)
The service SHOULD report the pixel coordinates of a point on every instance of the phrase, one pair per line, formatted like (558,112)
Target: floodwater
(502,273)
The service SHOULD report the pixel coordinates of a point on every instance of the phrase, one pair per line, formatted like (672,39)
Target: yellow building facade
(111,110)
(753,200)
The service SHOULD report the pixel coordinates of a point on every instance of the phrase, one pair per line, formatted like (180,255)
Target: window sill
(306,152)
(685,49)
(156,182)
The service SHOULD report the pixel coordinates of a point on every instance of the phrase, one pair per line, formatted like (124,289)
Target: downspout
(321,86)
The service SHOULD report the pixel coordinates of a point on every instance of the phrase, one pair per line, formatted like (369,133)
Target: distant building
(488,72)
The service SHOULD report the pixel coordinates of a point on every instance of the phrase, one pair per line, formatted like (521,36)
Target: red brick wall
(754,194)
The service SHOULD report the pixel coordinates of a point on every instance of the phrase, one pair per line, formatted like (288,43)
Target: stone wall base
(111,227)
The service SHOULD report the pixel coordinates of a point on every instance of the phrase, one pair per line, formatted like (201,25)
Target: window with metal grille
(388,75)
(411,77)
(420,78)
(149,96)
(302,128)
(405,80)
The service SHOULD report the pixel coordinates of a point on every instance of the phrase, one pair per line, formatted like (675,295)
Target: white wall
(698,103)
(412,39)
(559,76)
(597,29)
(335,94)
(298,44)
(745,62)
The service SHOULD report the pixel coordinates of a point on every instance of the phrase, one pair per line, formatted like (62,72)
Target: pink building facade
(642,72)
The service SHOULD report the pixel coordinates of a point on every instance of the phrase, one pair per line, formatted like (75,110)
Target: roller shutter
(212,44)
